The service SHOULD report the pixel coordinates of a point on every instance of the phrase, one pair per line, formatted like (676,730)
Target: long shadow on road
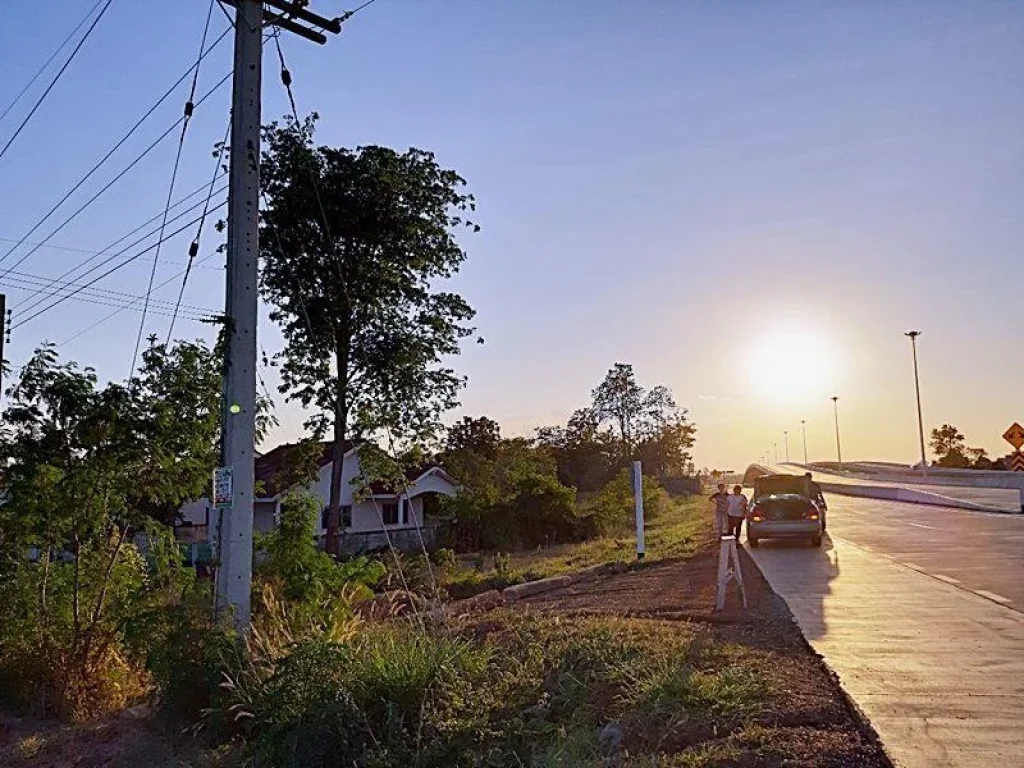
(802,576)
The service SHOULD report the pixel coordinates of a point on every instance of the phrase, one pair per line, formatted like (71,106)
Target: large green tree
(354,243)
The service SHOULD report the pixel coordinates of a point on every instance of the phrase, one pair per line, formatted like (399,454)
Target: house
(406,517)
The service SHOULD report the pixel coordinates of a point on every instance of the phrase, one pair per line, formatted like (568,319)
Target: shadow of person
(803,577)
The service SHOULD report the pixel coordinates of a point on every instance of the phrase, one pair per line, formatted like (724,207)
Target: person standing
(815,494)
(721,501)
(736,511)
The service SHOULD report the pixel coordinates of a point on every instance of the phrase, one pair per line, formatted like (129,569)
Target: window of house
(405,511)
(389,512)
(346,516)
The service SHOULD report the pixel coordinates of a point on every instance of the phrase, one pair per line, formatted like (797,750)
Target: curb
(907,495)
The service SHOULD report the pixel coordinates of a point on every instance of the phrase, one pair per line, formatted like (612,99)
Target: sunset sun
(790,366)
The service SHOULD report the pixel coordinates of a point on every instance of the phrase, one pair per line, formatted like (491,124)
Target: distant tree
(978,458)
(353,244)
(587,456)
(948,443)
(651,427)
(480,434)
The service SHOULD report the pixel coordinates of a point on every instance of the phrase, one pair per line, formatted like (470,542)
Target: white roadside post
(638,497)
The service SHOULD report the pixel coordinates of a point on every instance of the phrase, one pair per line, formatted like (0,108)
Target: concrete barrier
(848,486)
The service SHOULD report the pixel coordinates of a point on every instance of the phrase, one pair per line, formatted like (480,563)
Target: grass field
(677,531)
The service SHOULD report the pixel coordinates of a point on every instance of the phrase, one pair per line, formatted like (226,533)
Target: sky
(751,202)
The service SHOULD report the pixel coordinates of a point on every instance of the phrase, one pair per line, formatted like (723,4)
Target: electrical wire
(137,241)
(119,176)
(110,271)
(129,306)
(165,308)
(189,108)
(193,248)
(107,156)
(21,280)
(49,61)
(56,78)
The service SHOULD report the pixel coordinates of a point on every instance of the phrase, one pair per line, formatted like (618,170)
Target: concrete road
(920,611)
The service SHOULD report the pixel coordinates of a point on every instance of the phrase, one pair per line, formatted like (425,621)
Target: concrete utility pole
(917,388)
(803,429)
(839,447)
(234,571)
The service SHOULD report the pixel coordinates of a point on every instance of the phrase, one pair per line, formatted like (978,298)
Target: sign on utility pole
(234,571)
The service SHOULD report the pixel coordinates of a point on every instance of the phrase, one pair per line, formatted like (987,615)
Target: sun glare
(790,366)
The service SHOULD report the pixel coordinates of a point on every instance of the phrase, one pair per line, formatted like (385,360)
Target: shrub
(76,627)
(612,509)
(306,573)
(384,697)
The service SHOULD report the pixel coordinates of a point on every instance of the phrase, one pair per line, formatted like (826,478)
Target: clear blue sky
(679,185)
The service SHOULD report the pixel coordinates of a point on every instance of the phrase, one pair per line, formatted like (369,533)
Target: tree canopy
(354,243)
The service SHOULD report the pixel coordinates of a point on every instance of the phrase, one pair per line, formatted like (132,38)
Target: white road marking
(914,567)
(993,596)
(920,525)
(947,579)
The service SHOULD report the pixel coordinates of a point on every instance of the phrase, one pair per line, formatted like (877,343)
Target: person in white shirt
(737,511)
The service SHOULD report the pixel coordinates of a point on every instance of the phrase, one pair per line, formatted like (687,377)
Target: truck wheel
(816,541)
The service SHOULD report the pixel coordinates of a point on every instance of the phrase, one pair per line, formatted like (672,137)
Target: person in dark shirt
(816,495)
(721,501)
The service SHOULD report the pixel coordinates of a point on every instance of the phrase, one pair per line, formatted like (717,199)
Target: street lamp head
(835,398)
(912,334)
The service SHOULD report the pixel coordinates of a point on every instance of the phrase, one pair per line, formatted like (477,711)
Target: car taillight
(756,516)
(812,512)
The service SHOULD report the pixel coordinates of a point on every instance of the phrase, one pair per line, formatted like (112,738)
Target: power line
(95,254)
(119,176)
(130,305)
(49,61)
(193,248)
(56,77)
(189,108)
(110,271)
(165,308)
(136,242)
(21,280)
(110,152)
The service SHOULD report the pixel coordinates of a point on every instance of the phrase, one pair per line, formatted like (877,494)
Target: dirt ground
(810,723)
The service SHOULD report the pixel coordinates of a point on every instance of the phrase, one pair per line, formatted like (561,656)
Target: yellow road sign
(1014,435)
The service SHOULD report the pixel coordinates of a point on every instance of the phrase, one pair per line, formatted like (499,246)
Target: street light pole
(839,447)
(775,448)
(785,437)
(803,429)
(917,389)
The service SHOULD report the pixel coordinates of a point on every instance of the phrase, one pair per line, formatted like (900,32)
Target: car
(782,508)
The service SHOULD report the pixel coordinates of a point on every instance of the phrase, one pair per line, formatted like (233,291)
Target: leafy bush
(612,509)
(534,509)
(307,575)
(76,628)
